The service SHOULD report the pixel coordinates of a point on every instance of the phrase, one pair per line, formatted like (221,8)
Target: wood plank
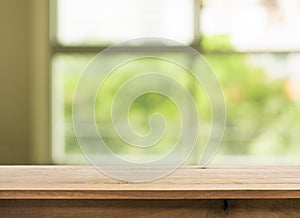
(190,182)
(150,208)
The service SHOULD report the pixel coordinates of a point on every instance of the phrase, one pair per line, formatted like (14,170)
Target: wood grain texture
(150,208)
(85,182)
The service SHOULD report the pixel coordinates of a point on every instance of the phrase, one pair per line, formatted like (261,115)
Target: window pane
(66,73)
(102,22)
(262,97)
(252,24)
(263,108)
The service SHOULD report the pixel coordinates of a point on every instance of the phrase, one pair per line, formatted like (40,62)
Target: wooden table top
(189,182)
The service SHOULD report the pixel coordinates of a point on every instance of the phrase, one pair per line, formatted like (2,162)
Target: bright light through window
(103,22)
(254,24)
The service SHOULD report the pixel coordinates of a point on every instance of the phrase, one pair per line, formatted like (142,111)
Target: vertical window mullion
(197,8)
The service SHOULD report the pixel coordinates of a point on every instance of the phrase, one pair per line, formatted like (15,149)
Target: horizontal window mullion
(124,49)
(156,49)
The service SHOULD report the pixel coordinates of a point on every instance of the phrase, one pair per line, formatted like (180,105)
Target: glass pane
(66,73)
(251,24)
(102,22)
(263,108)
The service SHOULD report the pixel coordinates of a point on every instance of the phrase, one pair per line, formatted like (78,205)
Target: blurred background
(253,46)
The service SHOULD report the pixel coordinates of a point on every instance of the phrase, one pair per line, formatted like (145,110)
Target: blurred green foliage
(261,118)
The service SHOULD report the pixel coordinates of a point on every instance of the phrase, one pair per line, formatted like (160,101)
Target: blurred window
(252,45)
